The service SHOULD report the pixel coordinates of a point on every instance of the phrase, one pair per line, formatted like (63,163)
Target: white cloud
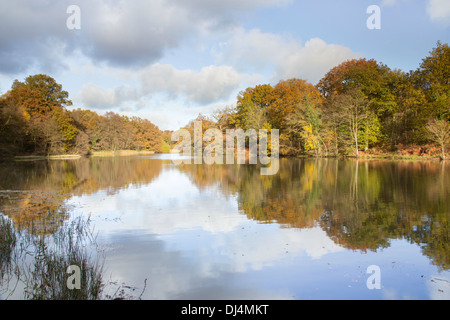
(133,33)
(208,85)
(242,61)
(117,32)
(23,35)
(288,58)
(172,203)
(388,2)
(439,11)
(96,97)
(391,2)
(120,33)
(220,8)
(312,61)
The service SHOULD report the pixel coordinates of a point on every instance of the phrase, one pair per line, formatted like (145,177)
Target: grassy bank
(425,152)
(107,153)
(398,157)
(386,156)
(54,157)
(410,153)
(400,152)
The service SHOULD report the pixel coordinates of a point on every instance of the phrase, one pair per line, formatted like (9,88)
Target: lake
(318,229)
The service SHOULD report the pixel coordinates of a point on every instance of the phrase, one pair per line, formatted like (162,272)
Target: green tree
(405,124)
(66,126)
(370,131)
(433,77)
(250,103)
(305,128)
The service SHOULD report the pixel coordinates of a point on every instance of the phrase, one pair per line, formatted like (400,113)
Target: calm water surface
(226,232)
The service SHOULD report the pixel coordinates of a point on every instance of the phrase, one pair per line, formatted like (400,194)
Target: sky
(170,60)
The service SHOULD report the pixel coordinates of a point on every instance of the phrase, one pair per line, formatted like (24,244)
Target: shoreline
(373,157)
(94,154)
(411,153)
(121,153)
(53,157)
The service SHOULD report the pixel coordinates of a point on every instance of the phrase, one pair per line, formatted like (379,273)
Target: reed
(41,262)
(8,241)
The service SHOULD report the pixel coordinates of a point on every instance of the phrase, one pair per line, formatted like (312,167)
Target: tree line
(358,106)
(34,119)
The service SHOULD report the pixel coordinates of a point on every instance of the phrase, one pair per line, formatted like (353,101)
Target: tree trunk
(336,142)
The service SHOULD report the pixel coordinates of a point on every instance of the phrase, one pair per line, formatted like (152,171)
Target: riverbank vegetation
(39,262)
(35,120)
(61,264)
(360,108)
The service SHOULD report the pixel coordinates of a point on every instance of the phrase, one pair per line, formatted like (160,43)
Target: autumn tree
(147,136)
(41,103)
(287,95)
(369,76)
(47,87)
(87,123)
(374,79)
(115,133)
(360,103)
(12,127)
(204,122)
(224,118)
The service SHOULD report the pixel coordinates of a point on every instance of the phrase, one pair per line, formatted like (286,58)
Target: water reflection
(360,204)
(36,190)
(213,230)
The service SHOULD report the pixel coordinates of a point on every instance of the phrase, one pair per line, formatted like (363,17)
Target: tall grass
(8,241)
(41,262)
(69,246)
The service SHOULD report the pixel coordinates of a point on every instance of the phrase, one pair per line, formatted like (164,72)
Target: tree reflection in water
(362,205)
